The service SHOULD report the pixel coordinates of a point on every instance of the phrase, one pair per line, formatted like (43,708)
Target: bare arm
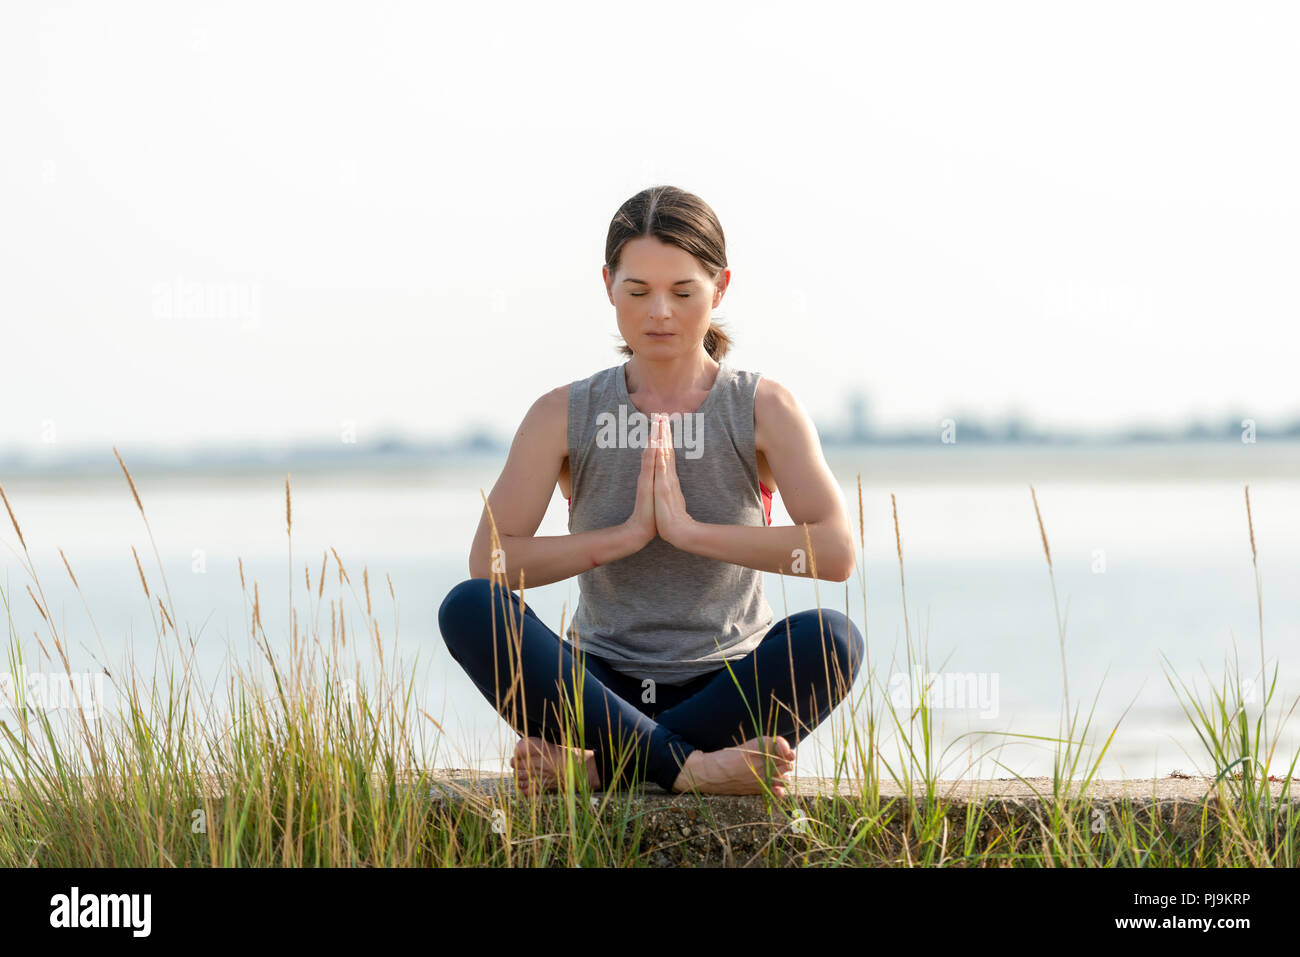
(519,500)
(784,433)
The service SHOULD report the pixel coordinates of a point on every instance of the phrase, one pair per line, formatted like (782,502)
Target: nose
(659,306)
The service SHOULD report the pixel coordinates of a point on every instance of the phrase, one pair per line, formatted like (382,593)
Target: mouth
(659,335)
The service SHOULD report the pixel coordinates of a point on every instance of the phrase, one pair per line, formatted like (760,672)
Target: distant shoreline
(934,463)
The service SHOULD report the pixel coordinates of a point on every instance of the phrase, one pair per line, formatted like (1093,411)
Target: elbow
(840,574)
(478,566)
(842,568)
(834,564)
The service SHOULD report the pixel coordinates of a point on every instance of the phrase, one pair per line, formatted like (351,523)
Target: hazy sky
(244,222)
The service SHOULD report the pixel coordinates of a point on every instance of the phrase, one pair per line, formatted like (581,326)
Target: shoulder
(556,399)
(547,418)
(774,402)
(777,413)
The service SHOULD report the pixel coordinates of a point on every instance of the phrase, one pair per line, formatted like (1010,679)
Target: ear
(720,287)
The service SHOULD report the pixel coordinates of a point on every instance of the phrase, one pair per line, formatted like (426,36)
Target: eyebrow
(677,283)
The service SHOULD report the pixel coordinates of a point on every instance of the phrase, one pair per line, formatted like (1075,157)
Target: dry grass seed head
(1251,524)
(1042,531)
(862,525)
(130,481)
(12,519)
(37,604)
(69,568)
(898,537)
(342,571)
(141,571)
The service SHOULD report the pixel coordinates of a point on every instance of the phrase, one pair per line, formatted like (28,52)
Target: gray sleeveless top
(663,613)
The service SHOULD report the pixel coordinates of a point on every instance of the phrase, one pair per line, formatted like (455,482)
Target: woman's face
(663,298)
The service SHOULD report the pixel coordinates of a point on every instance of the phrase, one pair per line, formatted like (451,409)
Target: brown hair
(681,219)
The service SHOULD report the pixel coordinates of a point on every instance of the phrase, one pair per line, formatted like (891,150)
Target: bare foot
(737,770)
(539,764)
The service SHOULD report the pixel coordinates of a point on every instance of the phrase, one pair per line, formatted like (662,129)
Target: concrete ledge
(722,830)
(1000,817)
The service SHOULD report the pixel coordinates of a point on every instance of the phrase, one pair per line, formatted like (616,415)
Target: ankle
(692,771)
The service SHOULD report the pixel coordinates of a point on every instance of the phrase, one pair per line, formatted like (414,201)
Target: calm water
(1150,548)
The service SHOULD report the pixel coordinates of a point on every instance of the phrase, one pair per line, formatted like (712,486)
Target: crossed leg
(781,690)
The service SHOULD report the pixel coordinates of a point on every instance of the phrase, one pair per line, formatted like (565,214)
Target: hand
(669,505)
(642,520)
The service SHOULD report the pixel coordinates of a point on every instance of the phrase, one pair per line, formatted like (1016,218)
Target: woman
(669,462)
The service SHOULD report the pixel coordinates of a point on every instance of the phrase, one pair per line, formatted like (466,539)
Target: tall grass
(304,760)
(1260,824)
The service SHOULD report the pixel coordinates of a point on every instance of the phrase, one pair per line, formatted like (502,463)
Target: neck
(670,379)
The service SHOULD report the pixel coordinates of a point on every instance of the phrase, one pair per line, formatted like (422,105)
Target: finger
(667,443)
(648,458)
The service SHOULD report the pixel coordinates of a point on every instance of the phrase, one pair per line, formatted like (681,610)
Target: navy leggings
(787,685)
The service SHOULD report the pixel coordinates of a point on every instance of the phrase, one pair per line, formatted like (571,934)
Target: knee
(464,605)
(841,639)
